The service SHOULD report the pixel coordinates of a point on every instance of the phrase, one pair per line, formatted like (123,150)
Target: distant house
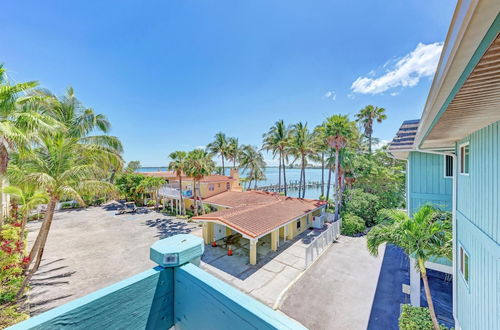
(453,160)
(208,186)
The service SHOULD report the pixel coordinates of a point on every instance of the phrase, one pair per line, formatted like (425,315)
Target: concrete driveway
(337,291)
(91,248)
(274,273)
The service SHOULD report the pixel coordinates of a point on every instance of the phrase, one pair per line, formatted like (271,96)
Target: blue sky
(171,74)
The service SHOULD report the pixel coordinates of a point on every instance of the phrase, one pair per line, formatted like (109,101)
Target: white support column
(414,284)
(253,251)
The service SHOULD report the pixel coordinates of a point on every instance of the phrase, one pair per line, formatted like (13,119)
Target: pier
(292,185)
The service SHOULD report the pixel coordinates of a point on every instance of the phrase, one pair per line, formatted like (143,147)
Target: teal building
(453,161)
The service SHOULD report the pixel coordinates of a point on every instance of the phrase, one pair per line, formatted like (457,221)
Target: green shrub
(151,203)
(352,224)
(362,204)
(67,205)
(10,315)
(415,318)
(382,216)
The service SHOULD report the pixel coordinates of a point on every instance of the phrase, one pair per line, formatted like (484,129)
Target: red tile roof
(256,213)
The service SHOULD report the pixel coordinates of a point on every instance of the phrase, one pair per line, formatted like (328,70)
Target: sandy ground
(92,248)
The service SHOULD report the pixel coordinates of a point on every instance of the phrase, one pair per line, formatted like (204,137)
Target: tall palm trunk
(423,272)
(370,144)
(300,181)
(322,173)
(183,207)
(329,183)
(336,185)
(284,174)
(39,245)
(195,199)
(304,177)
(279,174)
(156,199)
(4,161)
(223,169)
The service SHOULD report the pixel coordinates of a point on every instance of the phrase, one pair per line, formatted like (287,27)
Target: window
(307,219)
(448,166)
(298,224)
(464,264)
(211,187)
(464,158)
(228,185)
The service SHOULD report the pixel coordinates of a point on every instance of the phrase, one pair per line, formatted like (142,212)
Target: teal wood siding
(144,301)
(205,302)
(478,217)
(427,183)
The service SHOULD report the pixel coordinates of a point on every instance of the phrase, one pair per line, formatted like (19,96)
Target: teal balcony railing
(175,293)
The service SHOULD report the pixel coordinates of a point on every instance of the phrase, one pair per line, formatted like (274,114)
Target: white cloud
(200,147)
(394,93)
(380,144)
(406,72)
(330,95)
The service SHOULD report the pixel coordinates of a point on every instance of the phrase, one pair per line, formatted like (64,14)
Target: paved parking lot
(270,278)
(338,290)
(88,249)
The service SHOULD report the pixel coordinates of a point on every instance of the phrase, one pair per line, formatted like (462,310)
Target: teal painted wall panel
(144,301)
(427,183)
(478,195)
(478,217)
(478,301)
(205,302)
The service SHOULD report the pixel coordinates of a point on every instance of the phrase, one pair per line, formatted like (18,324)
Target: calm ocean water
(312,174)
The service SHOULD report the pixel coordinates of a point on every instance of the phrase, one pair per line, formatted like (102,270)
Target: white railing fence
(322,242)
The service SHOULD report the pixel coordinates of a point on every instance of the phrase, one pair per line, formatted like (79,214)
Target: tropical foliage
(425,235)
(52,149)
(199,164)
(416,318)
(366,117)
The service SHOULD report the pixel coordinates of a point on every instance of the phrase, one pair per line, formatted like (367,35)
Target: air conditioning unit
(319,221)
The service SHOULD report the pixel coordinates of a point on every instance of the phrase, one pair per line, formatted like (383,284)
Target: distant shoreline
(164,168)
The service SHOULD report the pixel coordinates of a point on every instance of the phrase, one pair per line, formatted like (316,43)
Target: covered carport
(272,222)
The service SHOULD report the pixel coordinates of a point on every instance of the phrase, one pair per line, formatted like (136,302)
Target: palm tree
(366,116)
(19,121)
(199,164)
(68,162)
(178,165)
(29,198)
(234,150)
(276,140)
(220,147)
(152,186)
(322,148)
(330,164)
(64,168)
(338,130)
(422,236)
(302,145)
(253,162)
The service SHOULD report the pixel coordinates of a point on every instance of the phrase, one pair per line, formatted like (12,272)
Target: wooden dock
(293,185)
